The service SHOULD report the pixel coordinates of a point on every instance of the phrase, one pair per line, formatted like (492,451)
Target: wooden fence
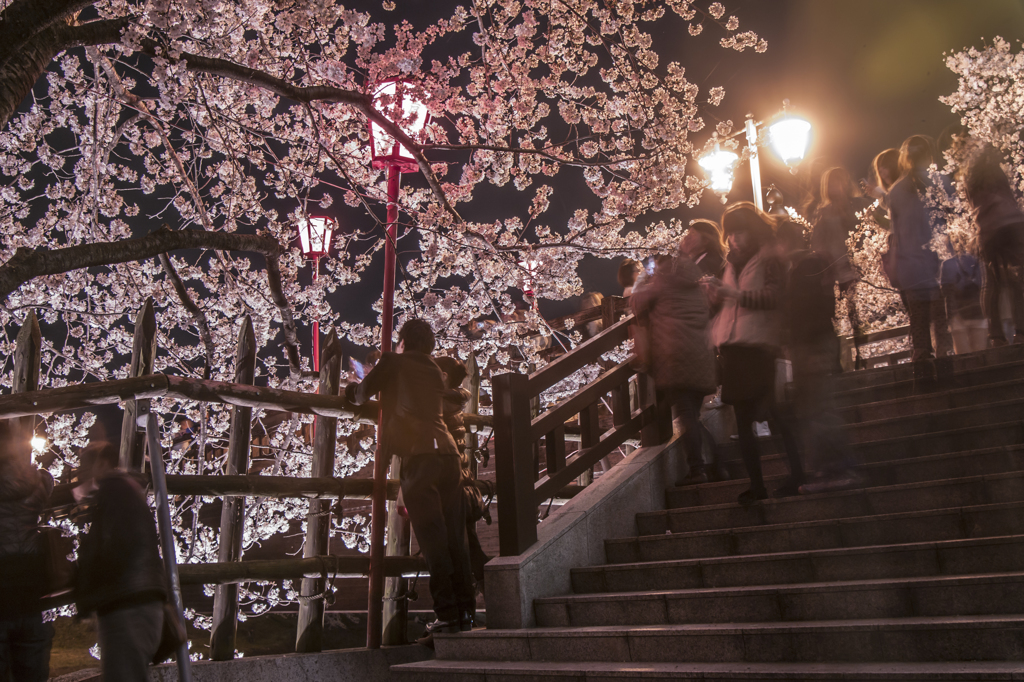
(236,485)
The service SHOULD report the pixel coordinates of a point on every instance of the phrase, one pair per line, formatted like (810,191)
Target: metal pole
(156,465)
(316,322)
(378,509)
(755,163)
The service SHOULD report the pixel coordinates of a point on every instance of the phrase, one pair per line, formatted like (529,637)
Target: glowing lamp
(38,443)
(393,99)
(315,235)
(719,166)
(789,138)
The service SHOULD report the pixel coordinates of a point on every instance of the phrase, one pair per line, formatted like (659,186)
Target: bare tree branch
(27,264)
(197,313)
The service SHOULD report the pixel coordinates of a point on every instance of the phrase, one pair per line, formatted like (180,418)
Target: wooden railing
(518,432)
(139,437)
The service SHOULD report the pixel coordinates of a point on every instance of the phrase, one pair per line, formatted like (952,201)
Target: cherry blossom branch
(27,264)
(202,324)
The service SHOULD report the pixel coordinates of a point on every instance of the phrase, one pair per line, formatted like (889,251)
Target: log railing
(518,432)
(137,391)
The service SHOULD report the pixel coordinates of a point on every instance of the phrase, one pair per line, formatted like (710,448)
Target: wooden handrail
(584,354)
(565,410)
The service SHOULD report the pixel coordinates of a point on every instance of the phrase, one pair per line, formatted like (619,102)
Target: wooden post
(143,352)
(27,356)
(513,464)
(590,434)
(608,314)
(232,513)
(309,637)
(399,543)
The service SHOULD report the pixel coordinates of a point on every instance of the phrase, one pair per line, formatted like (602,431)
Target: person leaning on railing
(412,428)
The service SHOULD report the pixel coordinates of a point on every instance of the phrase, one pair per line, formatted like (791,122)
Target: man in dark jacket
(120,575)
(413,428)
(24,638)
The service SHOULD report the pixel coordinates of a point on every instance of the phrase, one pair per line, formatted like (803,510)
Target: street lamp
(394,100)
(529,280)
(315,241)
(789,137)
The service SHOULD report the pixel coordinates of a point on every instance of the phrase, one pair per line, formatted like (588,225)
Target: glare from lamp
(38,443)
(789,139)
(413,118)
(719,166)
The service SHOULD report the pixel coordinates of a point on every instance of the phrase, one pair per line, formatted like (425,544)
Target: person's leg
(688,407)
(129,639)
(746,411)
(419,481)
(977,332)
(453,507)
(784,422)
(937,314)
(29,645)
(991,293)
(919,311)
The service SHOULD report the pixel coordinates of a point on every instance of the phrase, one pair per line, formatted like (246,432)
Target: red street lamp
(315,240)
(529,280)
(392,98)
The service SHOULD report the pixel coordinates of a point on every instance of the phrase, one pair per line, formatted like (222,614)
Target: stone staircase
(919,575)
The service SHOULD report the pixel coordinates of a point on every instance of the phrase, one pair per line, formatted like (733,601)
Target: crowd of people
(739,299)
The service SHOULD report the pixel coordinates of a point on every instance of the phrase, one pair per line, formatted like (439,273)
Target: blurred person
(1000,224)
(833,222)
(747,332)
(25,639)
(886,167)
(627,274)
(915,266)
(674,310)
(960,281)
(592,299)
(704,245)
(411,392)
(454,399)
(650,266)
(813,347)
(120,575)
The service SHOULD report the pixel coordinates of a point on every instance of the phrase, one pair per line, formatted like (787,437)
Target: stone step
(892,499)
(947,638)
(988,594)
(984,436)
(985,414)
(1007,388)
(918,559)
(893,472)
(591,671)
(979,521)
(959,364)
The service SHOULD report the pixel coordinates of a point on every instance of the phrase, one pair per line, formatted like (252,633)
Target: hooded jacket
(753,319)
(676,313)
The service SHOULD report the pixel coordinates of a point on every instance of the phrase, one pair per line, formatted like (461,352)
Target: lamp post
(788,136)
(392,97)
(530,267)
(315,241)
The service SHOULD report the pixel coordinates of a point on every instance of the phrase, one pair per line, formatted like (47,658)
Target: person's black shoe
(439,626)
(466,621)
(749,497)
(695,477)
(788,489)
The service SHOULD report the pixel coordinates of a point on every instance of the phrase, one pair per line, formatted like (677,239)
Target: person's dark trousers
(782,421)
(129,638)
(925,307)
(687,408)
(434,500)
(25,649)
(1003,254)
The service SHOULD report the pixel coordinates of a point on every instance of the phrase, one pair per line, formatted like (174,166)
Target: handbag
(172,634)
(58,570)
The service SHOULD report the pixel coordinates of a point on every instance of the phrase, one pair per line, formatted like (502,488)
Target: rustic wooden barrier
(516,432)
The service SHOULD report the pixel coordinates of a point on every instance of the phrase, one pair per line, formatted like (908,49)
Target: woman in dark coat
(675,311)
(705,246)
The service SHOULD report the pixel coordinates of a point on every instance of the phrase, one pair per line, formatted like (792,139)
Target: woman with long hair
(915,268)
(747,332)
(834,220)
(705,245)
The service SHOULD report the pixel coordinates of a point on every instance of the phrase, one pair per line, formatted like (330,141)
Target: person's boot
(749,497)
(440,626)
(695,477)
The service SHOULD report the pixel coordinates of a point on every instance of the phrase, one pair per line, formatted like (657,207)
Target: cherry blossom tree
(167,149)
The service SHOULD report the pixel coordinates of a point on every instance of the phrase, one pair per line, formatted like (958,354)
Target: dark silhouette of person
(120,575)
(411,393)
(24,490)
